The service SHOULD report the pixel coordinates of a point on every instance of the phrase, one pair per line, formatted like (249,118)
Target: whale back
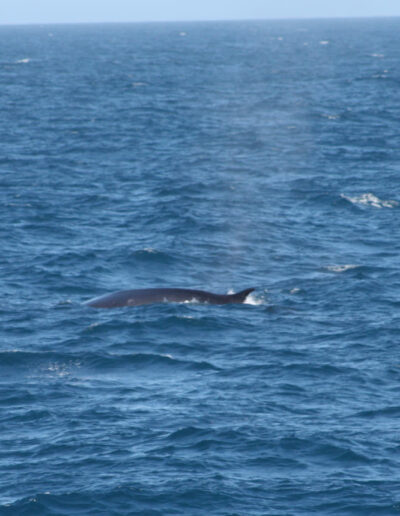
(148,296)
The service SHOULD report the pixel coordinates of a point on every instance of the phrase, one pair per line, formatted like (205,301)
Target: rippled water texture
(216,156)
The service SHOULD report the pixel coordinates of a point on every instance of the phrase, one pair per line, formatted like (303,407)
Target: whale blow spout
(149,296)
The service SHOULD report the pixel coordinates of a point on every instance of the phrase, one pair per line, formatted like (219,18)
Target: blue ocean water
(215,156)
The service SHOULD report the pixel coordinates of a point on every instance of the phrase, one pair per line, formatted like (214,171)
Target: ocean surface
(213,156)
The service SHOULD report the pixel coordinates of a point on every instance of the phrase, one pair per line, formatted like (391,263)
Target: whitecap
(341,268)
(65,302)
(91,326)
(380,75)
(57,370)
(324,42)
(331,117)
(369,199)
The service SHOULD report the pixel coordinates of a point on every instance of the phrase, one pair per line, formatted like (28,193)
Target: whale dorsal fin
(241,296)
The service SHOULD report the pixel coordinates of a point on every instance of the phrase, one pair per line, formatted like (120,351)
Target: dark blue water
(213,156)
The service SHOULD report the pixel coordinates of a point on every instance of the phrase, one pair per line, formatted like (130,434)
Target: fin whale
(148,296)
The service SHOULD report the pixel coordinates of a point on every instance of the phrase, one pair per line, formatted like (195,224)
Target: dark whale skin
(149,296)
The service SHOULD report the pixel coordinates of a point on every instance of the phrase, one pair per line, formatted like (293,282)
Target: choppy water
(215,156)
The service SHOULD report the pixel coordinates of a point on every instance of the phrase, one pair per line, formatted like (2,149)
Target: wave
(327,450)
(390,412)
(182,495)
(61,364)
(143,361)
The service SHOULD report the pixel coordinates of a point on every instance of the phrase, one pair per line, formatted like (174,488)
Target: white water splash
(369,199)
(188,301)
(251,299)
